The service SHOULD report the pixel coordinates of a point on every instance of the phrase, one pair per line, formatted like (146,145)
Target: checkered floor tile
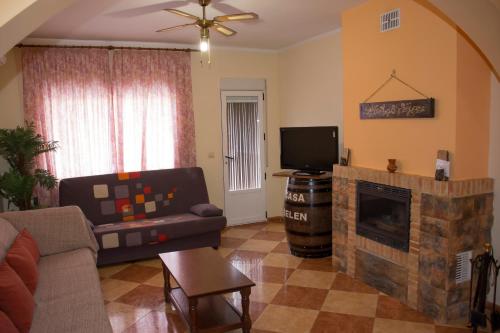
(291,294)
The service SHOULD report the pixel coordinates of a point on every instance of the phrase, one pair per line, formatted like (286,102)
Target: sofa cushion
(22,261)
(151,231)
(6,324)
(55,230)
(206,210)
(69,297)
(8,235)
(15,299)
(73,268)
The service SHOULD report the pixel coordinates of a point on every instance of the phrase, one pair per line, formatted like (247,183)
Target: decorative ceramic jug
(392,167)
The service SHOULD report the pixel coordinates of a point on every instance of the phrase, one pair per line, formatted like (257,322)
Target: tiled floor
(291,294)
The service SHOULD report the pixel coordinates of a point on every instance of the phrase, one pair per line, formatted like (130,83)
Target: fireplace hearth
(383,214)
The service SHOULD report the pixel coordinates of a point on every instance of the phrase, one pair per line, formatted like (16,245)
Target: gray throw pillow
(206,210)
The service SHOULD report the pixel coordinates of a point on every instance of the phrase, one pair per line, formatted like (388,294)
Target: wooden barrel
(308,217)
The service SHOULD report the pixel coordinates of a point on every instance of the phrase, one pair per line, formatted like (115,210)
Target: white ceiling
(281,22)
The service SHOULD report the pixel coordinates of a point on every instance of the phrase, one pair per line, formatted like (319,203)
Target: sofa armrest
(55,230)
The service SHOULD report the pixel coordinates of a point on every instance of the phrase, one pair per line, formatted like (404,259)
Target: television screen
(309,148)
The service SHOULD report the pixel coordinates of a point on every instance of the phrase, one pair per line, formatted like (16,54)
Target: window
(110,110)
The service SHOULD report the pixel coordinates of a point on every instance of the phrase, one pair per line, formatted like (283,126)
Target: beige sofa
(68,297)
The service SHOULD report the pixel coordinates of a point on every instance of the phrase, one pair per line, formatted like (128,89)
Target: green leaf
(20,147)
(17,188)
(45,179)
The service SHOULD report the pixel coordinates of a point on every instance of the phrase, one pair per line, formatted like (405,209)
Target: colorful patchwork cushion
(134,196)
(132,202)
(153,231)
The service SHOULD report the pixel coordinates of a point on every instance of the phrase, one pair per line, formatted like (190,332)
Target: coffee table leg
(193,303)
(245,307)
(166,285)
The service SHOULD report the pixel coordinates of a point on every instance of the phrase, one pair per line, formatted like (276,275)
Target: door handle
(229,157)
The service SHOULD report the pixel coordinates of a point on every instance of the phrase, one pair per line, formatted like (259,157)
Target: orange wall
(424,53)
(473,113)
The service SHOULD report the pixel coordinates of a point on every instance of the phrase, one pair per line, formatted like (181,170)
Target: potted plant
(19,147)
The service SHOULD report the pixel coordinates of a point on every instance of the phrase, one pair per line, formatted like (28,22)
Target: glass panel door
(243,143)
(243,154)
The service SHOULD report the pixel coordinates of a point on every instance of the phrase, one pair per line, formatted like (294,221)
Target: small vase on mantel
(392,167)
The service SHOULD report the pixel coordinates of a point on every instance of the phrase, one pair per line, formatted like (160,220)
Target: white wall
(310,77)
(234,63)
(310,85)
(19,18)
(495,163)
(9,9)
(11,109)
(11,85)
(304,88)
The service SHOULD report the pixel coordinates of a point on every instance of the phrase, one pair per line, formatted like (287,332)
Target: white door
(244,156)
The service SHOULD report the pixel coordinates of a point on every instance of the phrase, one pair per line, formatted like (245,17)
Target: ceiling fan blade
(176,27)
(181,13)
(224,30)
(236,17)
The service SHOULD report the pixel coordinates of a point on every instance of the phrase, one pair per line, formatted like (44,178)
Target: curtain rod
(109,47)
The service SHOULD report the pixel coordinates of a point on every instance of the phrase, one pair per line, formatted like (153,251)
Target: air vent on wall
(389,20)
(463,272)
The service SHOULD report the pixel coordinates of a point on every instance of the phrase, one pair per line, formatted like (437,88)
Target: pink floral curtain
(111,111)
(150,87)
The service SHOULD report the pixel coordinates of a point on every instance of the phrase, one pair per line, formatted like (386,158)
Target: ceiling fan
(205,24)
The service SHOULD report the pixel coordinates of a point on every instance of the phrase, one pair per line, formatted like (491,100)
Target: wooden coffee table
(203,277)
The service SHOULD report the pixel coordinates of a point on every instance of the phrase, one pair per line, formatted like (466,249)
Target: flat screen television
(309,149)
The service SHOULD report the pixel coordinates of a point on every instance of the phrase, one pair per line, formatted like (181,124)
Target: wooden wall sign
(417,108)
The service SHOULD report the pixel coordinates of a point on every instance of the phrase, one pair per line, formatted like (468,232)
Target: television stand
(308,213)
(293,174)
(308,173)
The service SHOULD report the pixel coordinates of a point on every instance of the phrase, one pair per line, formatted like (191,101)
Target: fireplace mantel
(446,218)
(422,184)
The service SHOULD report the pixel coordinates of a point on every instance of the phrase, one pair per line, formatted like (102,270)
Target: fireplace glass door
(383,214)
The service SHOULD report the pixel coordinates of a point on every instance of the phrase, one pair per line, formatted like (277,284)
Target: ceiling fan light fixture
(205,40)
(205,24)
(204,45)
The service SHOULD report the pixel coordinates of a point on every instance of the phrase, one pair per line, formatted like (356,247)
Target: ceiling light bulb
(204,45)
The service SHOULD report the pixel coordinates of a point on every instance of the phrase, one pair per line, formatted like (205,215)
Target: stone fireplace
(445,219)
